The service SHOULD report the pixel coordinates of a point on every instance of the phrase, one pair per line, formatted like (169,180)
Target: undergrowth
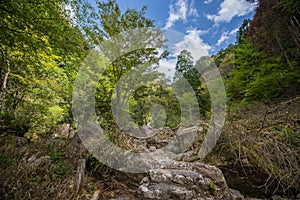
(266,137)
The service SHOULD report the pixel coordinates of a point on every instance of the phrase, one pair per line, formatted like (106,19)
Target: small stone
(277,197)
(64,130)
(32,158)
(200,129)
(179,179)
(152,140)
(71,134)
(144,188)
(152,148)
(126,129)
(236,194)
(21,141)
(96,195)
(34,162)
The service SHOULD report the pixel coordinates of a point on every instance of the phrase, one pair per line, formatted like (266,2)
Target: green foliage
(119,47)
(186,71)
(97,169)
(258,77)
(220,56)
(62,169)
(263,65)
(147,98)
(184,65)
(291,6)
(213,186)
(243,31)
(40,52)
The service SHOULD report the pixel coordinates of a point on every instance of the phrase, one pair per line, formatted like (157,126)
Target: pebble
(152,148)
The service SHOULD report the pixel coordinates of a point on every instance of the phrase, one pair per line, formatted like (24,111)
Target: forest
(65,64)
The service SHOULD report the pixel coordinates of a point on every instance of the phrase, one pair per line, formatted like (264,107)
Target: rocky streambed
(183,176)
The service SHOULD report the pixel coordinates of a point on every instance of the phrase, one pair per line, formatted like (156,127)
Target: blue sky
(203,27)
(212,23)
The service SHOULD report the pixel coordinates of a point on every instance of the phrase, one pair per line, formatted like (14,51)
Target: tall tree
(126,41)
(186,73)
(243,31)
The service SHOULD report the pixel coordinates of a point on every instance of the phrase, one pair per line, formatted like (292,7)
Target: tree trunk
(118,104)
(4,84)
(6,76)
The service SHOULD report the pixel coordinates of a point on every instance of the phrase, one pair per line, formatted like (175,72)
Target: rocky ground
(256,157)
(61,168)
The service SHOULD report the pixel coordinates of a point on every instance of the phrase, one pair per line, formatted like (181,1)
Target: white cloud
(177,11)
(226,35)
(230,9)
(167,67)
(193,11)
(193,43)
(180,10)
(208,1)
(234,31)
(223,38)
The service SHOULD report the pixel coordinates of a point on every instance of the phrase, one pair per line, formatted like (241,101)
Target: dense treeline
(262,77)
(43,45)
(40,52)
(264,64)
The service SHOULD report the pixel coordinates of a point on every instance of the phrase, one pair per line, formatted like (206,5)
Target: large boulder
(181,180)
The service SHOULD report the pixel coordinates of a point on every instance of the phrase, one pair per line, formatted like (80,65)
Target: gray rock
(152,148)
(152,140)
(181,180)
(126,129)
(277,197)
(142,148)
(188,156)
(136,131)
(33,161)
(124,197)
(236,194)
(144,162)
(147,130)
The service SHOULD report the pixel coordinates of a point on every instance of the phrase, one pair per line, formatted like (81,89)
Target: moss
(212,186)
